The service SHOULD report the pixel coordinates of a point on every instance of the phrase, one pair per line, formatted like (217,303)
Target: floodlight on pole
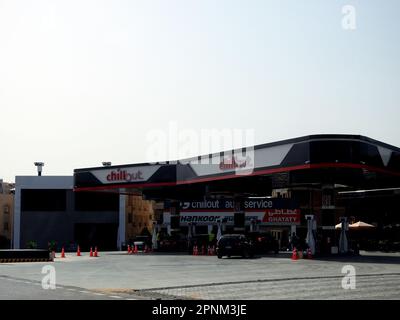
(39,166)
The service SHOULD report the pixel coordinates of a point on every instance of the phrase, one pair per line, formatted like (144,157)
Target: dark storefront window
(96,201)
(43,199)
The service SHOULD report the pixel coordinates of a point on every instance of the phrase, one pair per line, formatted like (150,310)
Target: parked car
(264,243)
(235,245)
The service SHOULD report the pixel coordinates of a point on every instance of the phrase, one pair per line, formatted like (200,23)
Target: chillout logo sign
(123,175)
(232,163)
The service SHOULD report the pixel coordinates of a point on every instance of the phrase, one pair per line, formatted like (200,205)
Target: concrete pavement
(156,276)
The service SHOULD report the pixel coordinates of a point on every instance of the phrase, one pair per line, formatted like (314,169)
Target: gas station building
(305,185)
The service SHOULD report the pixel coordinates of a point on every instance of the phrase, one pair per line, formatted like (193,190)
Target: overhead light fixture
(39,166)
(370,190)
(261,197)
(106,164)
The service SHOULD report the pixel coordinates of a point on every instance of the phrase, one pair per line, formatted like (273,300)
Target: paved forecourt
(116,275)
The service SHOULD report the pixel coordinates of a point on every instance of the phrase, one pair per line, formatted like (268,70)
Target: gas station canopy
(350,162)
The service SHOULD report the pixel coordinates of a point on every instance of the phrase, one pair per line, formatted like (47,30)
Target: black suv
(235,245)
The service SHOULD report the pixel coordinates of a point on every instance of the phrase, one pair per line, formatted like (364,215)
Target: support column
(121,222)
(310,233)
(16,237)
(343,243)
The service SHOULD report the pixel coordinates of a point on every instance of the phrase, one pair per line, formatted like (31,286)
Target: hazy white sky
(86,81)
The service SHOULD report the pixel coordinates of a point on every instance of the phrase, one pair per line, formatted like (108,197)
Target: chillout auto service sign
(267,211)
(125,174)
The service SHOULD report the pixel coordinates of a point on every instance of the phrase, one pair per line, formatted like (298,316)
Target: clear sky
(83,82)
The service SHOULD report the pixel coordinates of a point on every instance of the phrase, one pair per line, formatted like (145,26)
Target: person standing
(294,241)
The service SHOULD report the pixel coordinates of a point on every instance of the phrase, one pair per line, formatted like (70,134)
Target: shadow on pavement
(364,258)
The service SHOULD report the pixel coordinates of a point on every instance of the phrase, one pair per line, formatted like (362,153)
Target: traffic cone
(208,250)
(203,250)
(309,253)
(62,253)
(195,252)
(129,249)
(78,252)
(294,254)
(53,253)
(136,249)
(91,252)
(95,252)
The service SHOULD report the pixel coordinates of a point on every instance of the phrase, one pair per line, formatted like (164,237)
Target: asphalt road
(154,276)
(22,289)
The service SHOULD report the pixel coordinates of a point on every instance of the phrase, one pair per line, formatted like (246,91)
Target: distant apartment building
(140,215)
(6,214)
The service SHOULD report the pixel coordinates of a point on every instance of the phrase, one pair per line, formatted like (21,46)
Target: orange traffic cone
(294,254)
(95,252)
(309,253)
(62,253)
(203,250)
(129,249)
(195,252)
(91,252)
(208,250)
(78,252)
(136,249)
